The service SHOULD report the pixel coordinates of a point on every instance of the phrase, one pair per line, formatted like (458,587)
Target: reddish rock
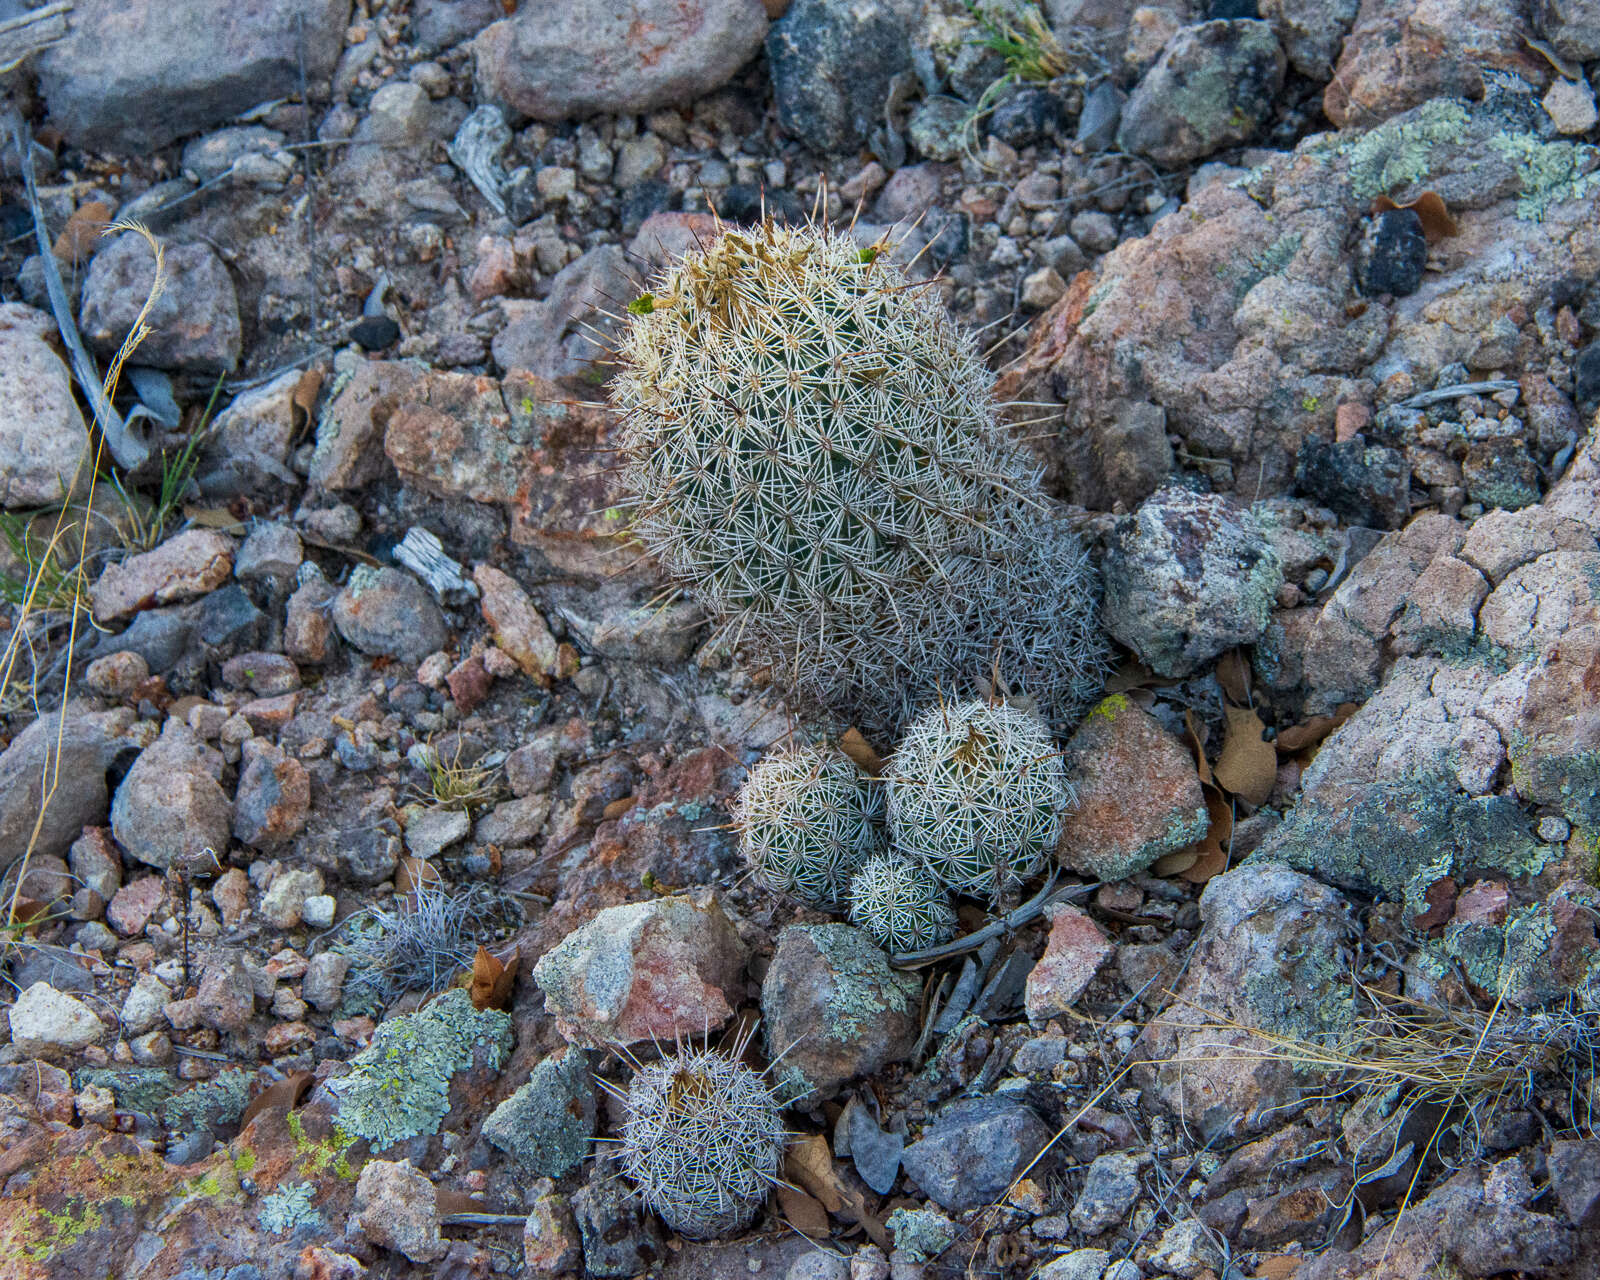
(269,715)
(351,430)
(130,909)
(284,1038)
(451,435)
(1485,902)
(1074,953)
(518,627)
(398,1209)
(274,796)
(231,895)
(226,999)
(181,568)
(469,683)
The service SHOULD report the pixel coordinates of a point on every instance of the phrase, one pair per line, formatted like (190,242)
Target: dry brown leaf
(1211,853)
(809,1165)
(1300,736)
(219,518)
(81,234)
(803,1212)
(303,399)
(617,808)
(1431,211)
(860,750)
(1132,674)
(492,980)
(1248,765)
(1175,863)
(283,1096)
(1197,740)
(1278,1266)
(1233,674)
(414,871)
(449,1200)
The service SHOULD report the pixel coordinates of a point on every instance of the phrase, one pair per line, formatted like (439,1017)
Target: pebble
(429,832)
(518,628)
(618,1239)
(182,568)
(1554,829)
(45,1023)
(132,906)
(323,982)
(1080,1264)
(283,905)
(1042,289)
(1571,106)
(194,322)
(318,910)
(1075,950)
(389,613)
(398,1209)
(1392,254)
(972,1152)
(1109,1191)
(43,440)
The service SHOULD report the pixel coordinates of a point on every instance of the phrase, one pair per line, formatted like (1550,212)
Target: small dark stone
(15,221)
(1586,377)
(1393,254)
(159,636)
(832,63)
(1101,114)
(60,969)
(1226,10)
(374,333)
(1027,116)
(618,1240)
(952,240)
(976,68)
(644,198)
(521,196)
(227,622)
(1501,473)
(742,202)
(1364,483)
(974,1150)
(875,1152)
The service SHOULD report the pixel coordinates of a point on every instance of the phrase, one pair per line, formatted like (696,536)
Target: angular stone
(194,323)
(974,1150)
(548,1124)
(170,809)
(389,613)
(43,442)
(273,798)
(1076,949)
(398,1209)
(47,1024)
(181,568)
(518,628)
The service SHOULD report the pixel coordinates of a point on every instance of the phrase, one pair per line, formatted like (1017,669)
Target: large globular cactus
(813,453)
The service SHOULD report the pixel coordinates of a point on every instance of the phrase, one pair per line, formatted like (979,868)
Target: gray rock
(194,324)
(1109,1191)
(170,808)
(834,1009)
(227,997)
(549,1123)
(389,613)
(273,797)
(323,984)
(819,1264)
(1572,26)
(1080,1264)
(556,61)
(1575,1178)
(43,441)
(270,554)
(141,1010)
(1185,1249)
(832,63)
(235,149)
(45,1023)
(618,1240)
(1188,576)
(437,25)
(937,126)
(645,634)
(70,749)
(550,339)
(1101,114)
(248,448)
(973,1151)
(1367,484)
(1214,84)
(874,1151)
(398,1208)
(132,76)
(1310,32)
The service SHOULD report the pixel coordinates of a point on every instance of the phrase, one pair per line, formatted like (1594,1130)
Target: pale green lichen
(289,1208)
(1550,172)
(921,1234)
(216,1102)
(1399,152)
(863,983)
(399,1085)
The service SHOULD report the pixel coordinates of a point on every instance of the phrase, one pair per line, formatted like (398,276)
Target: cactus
(812,451)
(976,794)
(901,904)
(702,1140)
(807,819)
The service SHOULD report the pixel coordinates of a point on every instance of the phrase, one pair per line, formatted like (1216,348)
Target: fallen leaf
(1278,1266)
(1197,740)
(1132,674)
(1248,765)
(1233,674)
(860,750)
(81,234)
(303,399)
(617,808)
(1211,853)
(448,1201)
(414,871)
(219,518)
(492,980)
(803,1212)
(1175,863)
(809,1165)
(1431,211)
(1300,736)
(283,1095)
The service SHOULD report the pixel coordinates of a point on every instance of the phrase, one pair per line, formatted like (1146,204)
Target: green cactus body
(976,794)
(901,904)
(807,820)
(813,454)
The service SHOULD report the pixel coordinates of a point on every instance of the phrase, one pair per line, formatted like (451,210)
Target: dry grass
(453,784)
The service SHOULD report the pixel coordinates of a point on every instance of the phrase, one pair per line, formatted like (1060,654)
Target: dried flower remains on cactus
(813,454)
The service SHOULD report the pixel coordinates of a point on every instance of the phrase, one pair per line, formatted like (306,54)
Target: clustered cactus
(901,904)
(976,794)
(702,1140)
(807,820)
(813,453)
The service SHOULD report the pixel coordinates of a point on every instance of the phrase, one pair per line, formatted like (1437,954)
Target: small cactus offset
(901,905)
(807,819)
(812,451)
(702,1141)
(976,794)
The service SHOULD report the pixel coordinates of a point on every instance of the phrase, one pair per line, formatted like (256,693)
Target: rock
(43,441)
(1311,32)
(1368,485)
(273,798)
(323,983)
(660,635)
(1500,541)
(518,628)
(1271,956)
(270,554)
(832,63)
(1501,473)
(1213,85)
(437,25)
(1094,230)
(398,1209)
(1185,1249)
(430,831)
(132,906)
(389,613)
(1073,954)
(1109,1191)
(194,324)
(655,969)
(181,568)
(1138,794)
(1042,288)
(971,1153)
(937,127)
(1080,1264)
(170,809)
(47,1024)
(549,1123)
(94,862)
(266,674)
(1575,1178)
(1188,576)
(247,450)
(819,1264)
(1572,26)
(227,999)
(618,1239)
(1570,106)
(551,1244)
(453,435)
(556,62)
(1401,53)
(875,1152)
(141,1010)
(1026,117)
(117,675)
(1392,254)
(64,755)
(132,77)
(308,625)
(1100,117)
(351,429)
(551,340)
(283,904)
(834,1009)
